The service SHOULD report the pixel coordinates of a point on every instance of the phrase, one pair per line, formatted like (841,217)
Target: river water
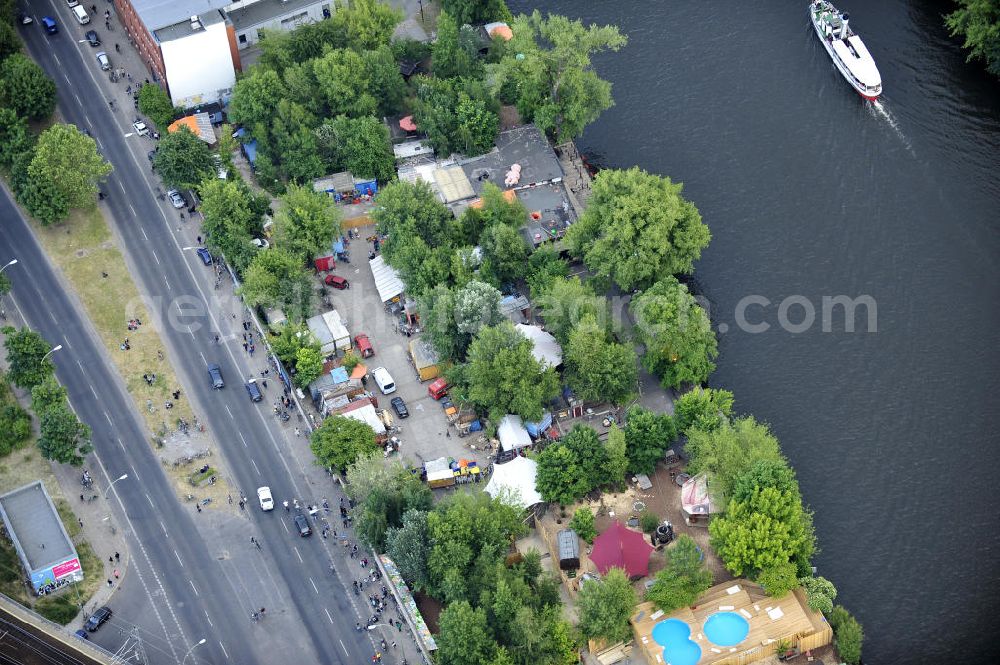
(811,192)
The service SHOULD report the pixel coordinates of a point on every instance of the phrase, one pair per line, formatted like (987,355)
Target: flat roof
(453,184)
(525,145)
(34,525)
(181,27)
(555,213)
(156,14)
(264,11)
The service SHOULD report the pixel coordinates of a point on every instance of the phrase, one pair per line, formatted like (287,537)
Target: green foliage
(572,466)
(40,196)
(15,427)
(339,441)
(767,537)
(545,267)
(458,115)
(411,209)
(14,137)
(385,506)
(848,635)
(233,217)
(647,437)
(503,377)
(5,284)
(59,609)
(291,338)
(306,223)
(281,50)
(10,42)
(226,146)
(358,145)
(359,84)
(183,160)
(598,369)
(978,22)
(70,161)
(293,144)
(820,593)
(308,365)
(616,452)
(583,524)
(454,53)
(451,318)
(637,228)
(25,88)
(683,579)
(765,472)
(62,437)
(25,350)
(648,521)
(408,546)
(366,24)
(604,607)
(474,12)
(276,278)
(505,254)
(705,409)
(548,72)
(47,394)
(495,209)
(730,451)
(154,103)
(255,97)
(464,638)
(566,302)
(680,343)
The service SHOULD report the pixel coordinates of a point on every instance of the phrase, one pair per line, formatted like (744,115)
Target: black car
(215,375)
(254,391)
(97,619)
(302,524)
(92,38)
(206,256)
(399,406)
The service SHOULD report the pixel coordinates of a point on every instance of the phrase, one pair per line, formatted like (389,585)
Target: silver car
(176,200)
(102,59)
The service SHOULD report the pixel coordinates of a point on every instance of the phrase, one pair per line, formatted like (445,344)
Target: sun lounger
(727,608)
(775,614)
(656,615)
(745,613)
(733,589)
(714,650)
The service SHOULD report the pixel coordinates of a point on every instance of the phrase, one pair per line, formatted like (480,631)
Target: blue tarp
(250,150)
(366,187)
(534,429)
(475,426)
(339,375)
(338,247)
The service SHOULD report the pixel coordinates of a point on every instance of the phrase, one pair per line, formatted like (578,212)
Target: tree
(504,377)
(63,438)
(464,638)
(505,254)
(343,81)
(452,318)
(705,409)
(409,547)
(616,455)
(604,607)
(494,208)
(765,534)
(339,441)
(848,635)
(276,278)
(407,208)
(730,451)
(680,343)
(155,104)
(778,578)
(10,42)
(47,394)
(256,97)
(227,146)
(765,472)
(15,425)
(452,55)
(25,352)
(647,437)
(683,579)
(293,142)
(40,196)
(291,338)
(308,365)
(233,217)
(358,145)
(549,66)
(583,524)
(820,593)
(384,507)
(566,302)
(71,162)
(978,21)
(14,137)
(637,228)
(598,369)
(183,160)
(458,115)
(476,12)
(370,472)
(545,267)
(307,222)
(384,80)
(367,24)
(572,466)
(25,88)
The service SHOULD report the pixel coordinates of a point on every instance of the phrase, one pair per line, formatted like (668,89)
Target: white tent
(387,280)
(341,336)
(517,477)
(546,349)
(367,415)
(512,433)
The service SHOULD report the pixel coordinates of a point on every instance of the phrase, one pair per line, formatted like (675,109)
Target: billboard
(51,578)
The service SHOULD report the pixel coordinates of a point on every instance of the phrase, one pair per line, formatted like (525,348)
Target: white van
(384,380)
(81,15)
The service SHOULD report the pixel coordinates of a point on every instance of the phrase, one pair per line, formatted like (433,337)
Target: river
(811,192)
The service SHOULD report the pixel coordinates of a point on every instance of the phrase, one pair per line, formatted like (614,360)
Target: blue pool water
(727,629)
(674,636)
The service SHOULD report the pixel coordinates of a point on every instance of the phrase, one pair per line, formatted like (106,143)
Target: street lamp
(121,477)
(51,351)
(200,642)
(9,264)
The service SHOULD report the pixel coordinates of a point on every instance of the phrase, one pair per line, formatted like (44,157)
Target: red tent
(407,124)
(619,547)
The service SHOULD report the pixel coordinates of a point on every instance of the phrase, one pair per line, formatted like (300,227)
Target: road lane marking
(135,215)
(140,228)
(121,187)
(150,501)
(255,467)
(314,586)
(121,444)
(229,412)
(209,619)
(298,554)
(91,386)
(222,646)
(243,439)
(77,98)
(155,257)
(135,474)
(164,527)
(178,558)
(344,648)
(108,419)
(167,282)
(328,615)
(53,317)
(194,588)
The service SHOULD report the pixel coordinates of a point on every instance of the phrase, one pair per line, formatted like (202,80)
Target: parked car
(82,634)
(254,391)
(364,346)
(102,60)
(25,19)
(215,374)
(437,388)
(399,406)
(265,498)
(337,282)
(98,619)
(384,380)
(176,200)
(92,38)
(205,255)
(72,3)
(302,524)
(140,128)
(50,25)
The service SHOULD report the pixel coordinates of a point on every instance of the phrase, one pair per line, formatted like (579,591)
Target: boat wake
(879,109)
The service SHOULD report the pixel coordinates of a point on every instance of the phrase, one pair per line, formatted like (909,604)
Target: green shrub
(820,593)
(648,521)
(848,635)
(583,524)
(60,609)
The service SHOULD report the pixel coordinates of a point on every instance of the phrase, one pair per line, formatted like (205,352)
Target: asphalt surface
(185,586)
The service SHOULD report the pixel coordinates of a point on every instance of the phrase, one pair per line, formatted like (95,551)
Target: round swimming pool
(675,637)
(727,629)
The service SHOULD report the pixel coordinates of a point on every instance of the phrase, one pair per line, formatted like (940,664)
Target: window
(243,39)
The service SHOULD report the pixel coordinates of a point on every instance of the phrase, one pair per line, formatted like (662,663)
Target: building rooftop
(181,27)
(263,11)
(526,146)
(156,14)
(549,212)
(34,525)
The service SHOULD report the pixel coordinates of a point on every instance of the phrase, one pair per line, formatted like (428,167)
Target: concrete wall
(200,66)
(248,35)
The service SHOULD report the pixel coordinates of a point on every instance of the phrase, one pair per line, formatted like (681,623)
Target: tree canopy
(25,88)
(307,223)
(455,49)
(233,217)
(572,466)
(14,136)
(475,12)
(683,579)
(647,437)
(730,451)
(978,22)
(70,161)
(458,115)
(339,441)
(154,103)
(597,368)
(358,145)
(276,278)
(680,343)
(605,606)
(706,409)
(637,228)
(452,317)
(25,351)
(505,254)
(183,160)
(565,302)
(62,438)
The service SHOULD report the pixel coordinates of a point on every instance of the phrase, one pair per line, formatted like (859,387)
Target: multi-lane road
(188,586)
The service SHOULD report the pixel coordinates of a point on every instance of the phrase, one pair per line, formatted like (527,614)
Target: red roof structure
(619,547)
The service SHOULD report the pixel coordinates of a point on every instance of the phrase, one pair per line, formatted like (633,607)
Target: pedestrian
(80,521)
(216,339)
(118,557)
(251,349)
(230,499)
(244,337)
(298,432)
(286,506)
(111,559)
(264,382)
(244,346)
(110,583)
(81,497)
(118,49)
(198,506)
(116,574)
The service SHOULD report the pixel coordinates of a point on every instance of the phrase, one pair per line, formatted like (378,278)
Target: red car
(364,346)
(337,282)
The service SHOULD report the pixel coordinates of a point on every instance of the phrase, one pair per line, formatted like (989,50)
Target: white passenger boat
(846,49)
